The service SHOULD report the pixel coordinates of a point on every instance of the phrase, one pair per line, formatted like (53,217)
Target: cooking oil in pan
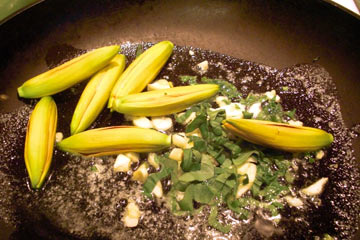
(85,199)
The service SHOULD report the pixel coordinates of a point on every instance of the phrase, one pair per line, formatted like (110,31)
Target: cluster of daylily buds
(123,92)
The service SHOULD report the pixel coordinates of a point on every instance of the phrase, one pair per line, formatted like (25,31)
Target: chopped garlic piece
(189,119)
(222,101)
(179,195)
(271,94)
(4,97)
(255,109)
(162,123)
(159,84)
(176,154)
(293,201)
(59,136)
(191,53)
(233,110)
(142,122)
(249,169)
(141,173)
(151,160)
(122,163)
(195,133)
(320,154)
(277,99)
(158,190)
(203,66)
(132,215)
(180,140)
(295,123)
(315,188)
(135,157)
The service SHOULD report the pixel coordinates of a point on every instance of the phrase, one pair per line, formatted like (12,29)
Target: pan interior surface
(265,33)
(78,201)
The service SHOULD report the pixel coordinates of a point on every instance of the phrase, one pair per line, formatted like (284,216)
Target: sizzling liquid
(80,203)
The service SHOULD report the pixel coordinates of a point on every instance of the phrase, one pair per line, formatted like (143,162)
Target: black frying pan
(276,33)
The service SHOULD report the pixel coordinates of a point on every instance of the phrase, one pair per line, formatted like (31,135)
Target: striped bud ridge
(39,142)
(142,71)
(96,94)
(115,140)
(279,135)
(165,101)
(68,74)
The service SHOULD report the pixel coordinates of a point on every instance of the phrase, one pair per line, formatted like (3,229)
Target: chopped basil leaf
(242,157)
(200,119)
(226,88)
(139,50)
(247,115)
(168,166)
(187,160)
(186,204)
(188,79)
(215,223)
(202,194)
(206,171)
(253,98)
(291,114)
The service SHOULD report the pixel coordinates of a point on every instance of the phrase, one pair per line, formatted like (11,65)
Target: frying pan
(276,33)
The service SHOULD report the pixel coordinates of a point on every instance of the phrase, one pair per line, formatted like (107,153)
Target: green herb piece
(242,157)
(327,237)
(187,160)
(139,50)
(285,88)
(247,115)
(310,157)
(188,79)
(195,192)
(168,167)
(289,177)
(291,114)
(221,158)
(213,115)
(227,102)
(271,111)
(273,190)
(183,117)
(216,127)
(202,194)
(282,165)
(204,180)
(214,222)
(93,168)
(186,204)
(204,130)
(234,148)
(199,144)
(226,164)
(200,119)
(226,88)
(253,98)
(196,155)
(236,206)
(206,171)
